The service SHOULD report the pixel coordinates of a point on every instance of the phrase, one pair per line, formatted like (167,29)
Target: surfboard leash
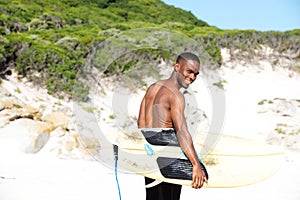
(116,155)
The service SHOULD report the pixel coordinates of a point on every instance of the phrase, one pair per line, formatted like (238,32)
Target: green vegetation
(90,109)
(17,90)
(220,84)
(111,117)
(50,41)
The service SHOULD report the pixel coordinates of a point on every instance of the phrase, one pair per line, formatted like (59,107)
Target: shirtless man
(163,107)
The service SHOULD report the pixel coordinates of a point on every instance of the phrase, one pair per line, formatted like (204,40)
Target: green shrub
(49,41)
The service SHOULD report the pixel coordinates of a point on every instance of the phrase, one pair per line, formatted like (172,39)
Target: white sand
(34,178)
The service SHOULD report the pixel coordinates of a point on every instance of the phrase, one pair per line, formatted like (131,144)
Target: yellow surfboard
(230,161)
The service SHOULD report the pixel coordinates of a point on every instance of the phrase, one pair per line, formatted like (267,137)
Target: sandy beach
(30,177)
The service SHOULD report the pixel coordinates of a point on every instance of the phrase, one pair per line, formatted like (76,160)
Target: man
(163,107)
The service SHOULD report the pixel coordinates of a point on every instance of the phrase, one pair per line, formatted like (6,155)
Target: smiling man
(163,108)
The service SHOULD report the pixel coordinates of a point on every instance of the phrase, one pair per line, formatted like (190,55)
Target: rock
(66,145)
(5,105)
(24,112)
(10,111)
(57,119)
(25,136)
(29,111)
(2,107)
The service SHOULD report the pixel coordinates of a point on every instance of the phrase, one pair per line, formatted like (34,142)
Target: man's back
(156,109)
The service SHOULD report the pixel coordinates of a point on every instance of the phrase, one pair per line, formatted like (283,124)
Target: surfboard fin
(177,168)
(162,138)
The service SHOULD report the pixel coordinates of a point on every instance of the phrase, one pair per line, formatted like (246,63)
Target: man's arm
(177,103)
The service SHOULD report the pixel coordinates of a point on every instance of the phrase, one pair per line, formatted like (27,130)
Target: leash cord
(116,169)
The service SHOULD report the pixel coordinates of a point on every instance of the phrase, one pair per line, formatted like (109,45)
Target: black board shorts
(162,191)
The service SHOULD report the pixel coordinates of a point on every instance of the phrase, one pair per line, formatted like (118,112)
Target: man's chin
(185,86)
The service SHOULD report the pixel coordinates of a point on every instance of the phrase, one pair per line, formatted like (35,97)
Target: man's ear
(176,67)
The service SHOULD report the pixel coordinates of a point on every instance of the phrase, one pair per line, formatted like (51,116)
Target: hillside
(50,42)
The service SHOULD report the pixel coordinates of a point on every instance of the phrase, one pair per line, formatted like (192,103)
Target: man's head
(187,56)
(187,68)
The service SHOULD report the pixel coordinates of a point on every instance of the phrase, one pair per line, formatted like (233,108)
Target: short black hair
(187,56)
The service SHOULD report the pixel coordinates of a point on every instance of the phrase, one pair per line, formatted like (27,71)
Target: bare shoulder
(155,87)
(161,89)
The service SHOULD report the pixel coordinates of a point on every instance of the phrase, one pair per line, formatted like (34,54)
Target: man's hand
(199,177)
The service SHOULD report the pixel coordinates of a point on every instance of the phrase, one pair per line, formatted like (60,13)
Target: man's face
(187,72)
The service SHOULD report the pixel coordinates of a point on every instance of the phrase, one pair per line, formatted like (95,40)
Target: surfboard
(230,161)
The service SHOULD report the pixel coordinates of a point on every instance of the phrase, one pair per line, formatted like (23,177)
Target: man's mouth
(188,81)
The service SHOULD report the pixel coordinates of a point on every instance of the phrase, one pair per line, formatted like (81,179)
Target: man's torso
(157,105)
